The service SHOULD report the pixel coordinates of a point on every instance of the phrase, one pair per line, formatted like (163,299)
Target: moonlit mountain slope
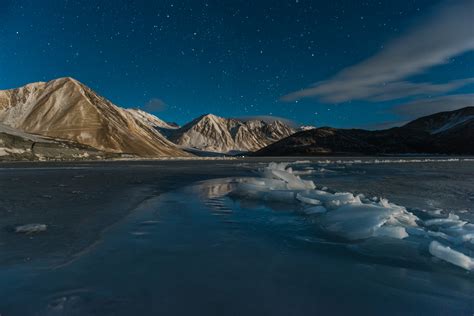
(16,145)
(151,119)
(65,108)
(217,134)
(442,133)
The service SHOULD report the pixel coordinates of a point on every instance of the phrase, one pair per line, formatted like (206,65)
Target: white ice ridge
(357,218)
(383,161)
(455,257)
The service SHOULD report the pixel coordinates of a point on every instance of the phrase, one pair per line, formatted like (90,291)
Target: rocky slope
(64,108)
(442,133)
(216,134)
(16,145)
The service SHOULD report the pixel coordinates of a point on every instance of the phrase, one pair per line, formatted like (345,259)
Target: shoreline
(312,159)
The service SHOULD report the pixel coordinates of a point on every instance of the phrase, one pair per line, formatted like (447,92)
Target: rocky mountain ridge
(449,132)
(216,134)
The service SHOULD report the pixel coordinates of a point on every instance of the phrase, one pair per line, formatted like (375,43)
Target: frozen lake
(370,237)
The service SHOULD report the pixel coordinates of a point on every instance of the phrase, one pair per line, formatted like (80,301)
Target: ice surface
(315,210)
(356,218)
(311,269)
(280,196)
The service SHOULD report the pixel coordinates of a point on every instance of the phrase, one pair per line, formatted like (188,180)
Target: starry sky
(342,63)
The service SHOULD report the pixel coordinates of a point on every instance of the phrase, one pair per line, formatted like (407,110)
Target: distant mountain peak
(307,127)
(210,132)
(210,116)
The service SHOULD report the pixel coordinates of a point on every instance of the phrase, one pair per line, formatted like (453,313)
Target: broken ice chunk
(452,256)
(451,221)
(356,221)
(30,228)
(308,200)
(293,182)
(329,200)
(397,232)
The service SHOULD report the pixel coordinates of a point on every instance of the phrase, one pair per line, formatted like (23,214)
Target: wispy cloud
(155,105)
(419,108)
(446,33)
(429,106)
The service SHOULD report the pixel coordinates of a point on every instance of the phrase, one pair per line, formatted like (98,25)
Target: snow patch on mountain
(452,123)
(151,119)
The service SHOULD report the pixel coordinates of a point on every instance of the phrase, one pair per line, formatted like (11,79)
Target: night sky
(340,63)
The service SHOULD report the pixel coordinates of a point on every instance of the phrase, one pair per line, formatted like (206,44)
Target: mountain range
(217,134)
(65,119)
(441,133)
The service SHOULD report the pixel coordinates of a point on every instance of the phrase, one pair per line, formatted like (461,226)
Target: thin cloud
(444,34)
(419,108)
(155,105)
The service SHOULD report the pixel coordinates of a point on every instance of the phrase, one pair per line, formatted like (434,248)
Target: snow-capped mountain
(65,108)
(441,133)
(217,134)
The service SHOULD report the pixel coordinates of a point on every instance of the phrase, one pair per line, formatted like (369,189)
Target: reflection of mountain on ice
(215,188)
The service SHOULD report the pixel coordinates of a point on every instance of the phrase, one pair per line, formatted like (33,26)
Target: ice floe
(356,218)
(30,228)
(452,256)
